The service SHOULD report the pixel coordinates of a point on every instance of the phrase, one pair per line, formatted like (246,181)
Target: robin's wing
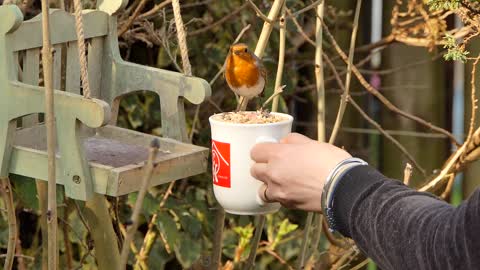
(263,71)
(261,67)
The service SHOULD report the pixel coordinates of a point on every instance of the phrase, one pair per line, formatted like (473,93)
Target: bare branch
(259,12)
(381,97)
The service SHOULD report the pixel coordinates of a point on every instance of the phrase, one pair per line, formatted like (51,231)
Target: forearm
(400,228)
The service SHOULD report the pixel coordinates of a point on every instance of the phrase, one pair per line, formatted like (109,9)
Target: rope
(182,38)
(81,48)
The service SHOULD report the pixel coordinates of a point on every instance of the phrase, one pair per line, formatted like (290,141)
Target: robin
(244,72)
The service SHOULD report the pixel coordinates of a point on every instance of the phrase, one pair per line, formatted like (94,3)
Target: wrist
(330,184)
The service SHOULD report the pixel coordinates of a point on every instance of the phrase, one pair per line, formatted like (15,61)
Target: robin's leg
(240,103)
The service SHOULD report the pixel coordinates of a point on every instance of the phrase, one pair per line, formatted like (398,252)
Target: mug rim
(218,122)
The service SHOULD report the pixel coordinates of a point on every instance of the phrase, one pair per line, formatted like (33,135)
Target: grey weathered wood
(57,67)
(92,156)
(112,7)
(72,76)
(116,157)
(28,36)
(31,74)
(120,77)
(95,54)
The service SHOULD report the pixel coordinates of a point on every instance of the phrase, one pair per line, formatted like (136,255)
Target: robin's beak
(237,52)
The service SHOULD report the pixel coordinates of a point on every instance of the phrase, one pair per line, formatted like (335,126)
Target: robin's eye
(246,50)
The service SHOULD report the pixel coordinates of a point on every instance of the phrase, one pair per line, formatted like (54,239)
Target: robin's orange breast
(241,71)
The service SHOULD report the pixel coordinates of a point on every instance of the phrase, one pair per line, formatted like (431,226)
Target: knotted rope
(81,48)
(182,38)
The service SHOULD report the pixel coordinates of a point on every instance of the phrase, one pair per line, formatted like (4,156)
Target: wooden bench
(94,156)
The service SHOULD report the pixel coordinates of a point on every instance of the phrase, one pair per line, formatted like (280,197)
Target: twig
(218,238)
(300,29)
(66,239)
(42,189)
(446,169)
(132,18)
(361,264)
(405,133)
(6,191)
(280,259)
(277,92)
(319,75)
(82,218)
(263,39)
(320,91)
(381,43)
(19,256)
(331,238)
(219,22)
(138,204)
(346,93)
(155,9)
(281,62)
(150,236)
(259,12)
(473,100)
(407,174)
(393,140)
(305,9)
(18,253)
(448,189)
(305,238)
(382,98)
(255,240)
(47,59)
(340,263)
(317,219)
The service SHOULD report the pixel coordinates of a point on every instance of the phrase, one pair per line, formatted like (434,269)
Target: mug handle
(263,139)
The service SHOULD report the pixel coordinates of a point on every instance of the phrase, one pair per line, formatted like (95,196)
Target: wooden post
(106,246)
(47,59)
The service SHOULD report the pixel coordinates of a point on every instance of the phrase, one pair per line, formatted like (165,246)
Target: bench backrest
(109,76)
(26,44)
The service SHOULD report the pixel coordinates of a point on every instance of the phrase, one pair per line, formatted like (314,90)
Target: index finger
(262,152)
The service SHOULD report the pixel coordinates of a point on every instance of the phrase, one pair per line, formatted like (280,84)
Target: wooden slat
(29,34)
(57,67)
(72,76)
(16,70)
(31,75)
(95,57)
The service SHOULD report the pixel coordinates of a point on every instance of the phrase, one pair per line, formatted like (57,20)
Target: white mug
(234,188)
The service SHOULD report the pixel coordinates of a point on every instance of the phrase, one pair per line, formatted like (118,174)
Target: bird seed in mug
(247,117)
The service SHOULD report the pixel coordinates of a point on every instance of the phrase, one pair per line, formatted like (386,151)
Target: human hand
(294,170)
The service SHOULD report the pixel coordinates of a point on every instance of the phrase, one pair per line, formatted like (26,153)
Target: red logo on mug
(221,164)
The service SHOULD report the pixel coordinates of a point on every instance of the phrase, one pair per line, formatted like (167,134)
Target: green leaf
(150,204)
(443,4)
(190,224)
(245,233)
(158,257)
(26,190)
(188,250)
(168,227)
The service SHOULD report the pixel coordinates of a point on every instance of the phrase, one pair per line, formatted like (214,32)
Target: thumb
(296,138)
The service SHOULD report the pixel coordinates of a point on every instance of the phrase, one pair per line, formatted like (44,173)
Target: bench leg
(104,237)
